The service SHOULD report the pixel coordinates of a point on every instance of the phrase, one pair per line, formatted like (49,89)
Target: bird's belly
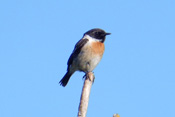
(88,63)
(89,57)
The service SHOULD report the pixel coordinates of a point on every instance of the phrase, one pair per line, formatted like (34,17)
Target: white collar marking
(90,38)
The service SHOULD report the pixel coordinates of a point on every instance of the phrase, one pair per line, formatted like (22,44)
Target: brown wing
(76,51)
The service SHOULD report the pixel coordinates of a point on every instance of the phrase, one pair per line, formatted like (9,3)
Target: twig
(85,94)
(116,115)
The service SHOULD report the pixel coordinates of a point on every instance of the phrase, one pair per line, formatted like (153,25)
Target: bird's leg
(88,76)
(84,76)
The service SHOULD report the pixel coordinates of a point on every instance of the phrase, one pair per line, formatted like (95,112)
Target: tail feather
(65,79)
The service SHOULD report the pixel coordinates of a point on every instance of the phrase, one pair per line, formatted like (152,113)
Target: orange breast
(98,48)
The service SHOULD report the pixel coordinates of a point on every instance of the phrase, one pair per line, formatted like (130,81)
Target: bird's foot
(90,76)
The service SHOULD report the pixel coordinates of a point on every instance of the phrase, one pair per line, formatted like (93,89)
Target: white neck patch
(91,38)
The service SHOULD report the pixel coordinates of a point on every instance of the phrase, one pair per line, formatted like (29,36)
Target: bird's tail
(65,79)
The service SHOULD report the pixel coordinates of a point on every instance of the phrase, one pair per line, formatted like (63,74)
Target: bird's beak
(108,33)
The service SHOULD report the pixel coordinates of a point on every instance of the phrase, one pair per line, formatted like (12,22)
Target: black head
(98,34)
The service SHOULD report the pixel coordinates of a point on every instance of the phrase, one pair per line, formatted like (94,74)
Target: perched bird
(87,53)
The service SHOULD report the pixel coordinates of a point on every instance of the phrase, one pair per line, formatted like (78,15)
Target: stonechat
(87,53)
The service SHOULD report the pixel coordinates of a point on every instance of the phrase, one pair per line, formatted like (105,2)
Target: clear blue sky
(136,77)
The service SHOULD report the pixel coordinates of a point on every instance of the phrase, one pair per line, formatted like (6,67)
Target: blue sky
(136,77)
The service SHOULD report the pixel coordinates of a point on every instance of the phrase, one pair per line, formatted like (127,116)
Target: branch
(85,94)
(116,115)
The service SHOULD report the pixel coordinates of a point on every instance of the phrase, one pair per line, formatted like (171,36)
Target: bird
(87,53)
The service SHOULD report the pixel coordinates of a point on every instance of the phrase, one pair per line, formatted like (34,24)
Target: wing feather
(76,50)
